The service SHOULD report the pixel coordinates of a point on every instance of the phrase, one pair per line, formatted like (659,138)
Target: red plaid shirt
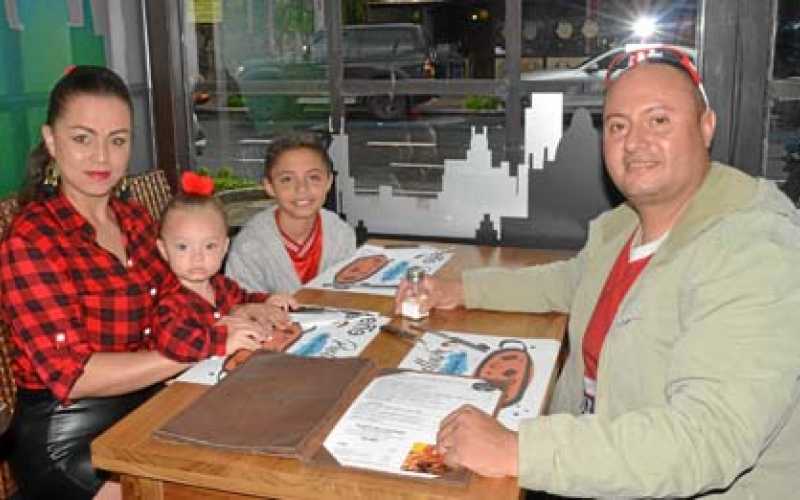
(65,297)
(184,323)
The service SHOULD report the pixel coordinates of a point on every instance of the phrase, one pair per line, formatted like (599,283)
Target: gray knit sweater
(258,260)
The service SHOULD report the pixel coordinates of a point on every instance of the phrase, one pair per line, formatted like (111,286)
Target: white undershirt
(639,252)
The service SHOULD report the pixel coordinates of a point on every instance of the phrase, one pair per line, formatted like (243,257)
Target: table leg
(141,488)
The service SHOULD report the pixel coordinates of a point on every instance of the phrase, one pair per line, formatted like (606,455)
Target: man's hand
(435,294)
(265,314)
(472,439)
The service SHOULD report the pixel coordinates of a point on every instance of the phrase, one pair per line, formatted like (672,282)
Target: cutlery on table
(478,346)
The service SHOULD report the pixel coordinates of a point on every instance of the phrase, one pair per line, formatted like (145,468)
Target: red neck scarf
(307,255)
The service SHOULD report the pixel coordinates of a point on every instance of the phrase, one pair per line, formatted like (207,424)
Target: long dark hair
(79,80)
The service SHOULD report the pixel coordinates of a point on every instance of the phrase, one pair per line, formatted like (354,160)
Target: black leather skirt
(48,444)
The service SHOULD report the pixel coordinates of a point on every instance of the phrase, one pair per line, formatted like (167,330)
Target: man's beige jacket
(699,377)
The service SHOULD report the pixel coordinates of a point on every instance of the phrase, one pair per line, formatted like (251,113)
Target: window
(783,143)
(431,127)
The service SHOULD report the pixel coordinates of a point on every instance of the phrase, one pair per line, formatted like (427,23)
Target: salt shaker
(411,307)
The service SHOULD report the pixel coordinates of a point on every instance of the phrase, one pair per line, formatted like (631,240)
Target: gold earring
(52,178)
(124,189)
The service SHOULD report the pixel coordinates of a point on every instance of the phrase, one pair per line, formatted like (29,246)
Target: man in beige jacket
(696,386)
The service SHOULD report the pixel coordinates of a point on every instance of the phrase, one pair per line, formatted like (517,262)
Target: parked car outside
(583,85)
(373,52)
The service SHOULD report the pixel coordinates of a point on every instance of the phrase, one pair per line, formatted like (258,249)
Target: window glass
(431,157)
(255,69)
(786,63)
(461,39)
(567,46)
(783,143)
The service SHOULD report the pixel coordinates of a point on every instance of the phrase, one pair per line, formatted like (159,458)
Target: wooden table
(153,469)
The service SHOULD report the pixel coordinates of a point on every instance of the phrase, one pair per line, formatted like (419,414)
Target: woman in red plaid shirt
(79,273)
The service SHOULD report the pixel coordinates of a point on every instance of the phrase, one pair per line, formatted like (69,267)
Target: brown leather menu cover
(275,404)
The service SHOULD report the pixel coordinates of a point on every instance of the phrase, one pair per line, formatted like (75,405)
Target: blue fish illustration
(455,364)
(314,346)
(395,272)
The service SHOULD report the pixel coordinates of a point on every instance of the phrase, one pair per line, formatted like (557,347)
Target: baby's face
(194,242)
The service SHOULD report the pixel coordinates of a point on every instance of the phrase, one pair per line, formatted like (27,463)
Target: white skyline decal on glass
(471,187)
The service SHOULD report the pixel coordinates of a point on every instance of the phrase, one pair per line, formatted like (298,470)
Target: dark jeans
(49,443)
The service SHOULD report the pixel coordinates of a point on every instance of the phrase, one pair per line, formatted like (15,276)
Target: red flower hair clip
(69,69)
(196,184)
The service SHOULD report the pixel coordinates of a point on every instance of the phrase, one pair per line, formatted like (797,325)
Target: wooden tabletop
(152,469)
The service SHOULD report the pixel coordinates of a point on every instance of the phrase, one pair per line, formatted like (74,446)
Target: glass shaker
(411,307)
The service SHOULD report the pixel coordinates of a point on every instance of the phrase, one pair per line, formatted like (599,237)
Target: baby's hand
(242,334)
(283,301)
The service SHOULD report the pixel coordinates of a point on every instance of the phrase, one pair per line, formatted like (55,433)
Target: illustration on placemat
(279,341)
(395,272)
(360,269)
(378,270)
(508,368)
(520,367)
(333,334)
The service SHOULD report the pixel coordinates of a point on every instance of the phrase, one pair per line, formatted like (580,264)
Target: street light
(644,27)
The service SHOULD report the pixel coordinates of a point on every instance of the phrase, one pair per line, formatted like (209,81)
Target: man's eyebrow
(649,109)
(607,116)
(659,106)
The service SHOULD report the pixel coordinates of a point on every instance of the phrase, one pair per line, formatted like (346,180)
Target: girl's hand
(266,315)
(283,301)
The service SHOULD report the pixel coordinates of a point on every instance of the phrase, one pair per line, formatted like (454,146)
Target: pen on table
(313,309)
(342,286)
(309,309)
(478,346)
(400,333)
(400,245)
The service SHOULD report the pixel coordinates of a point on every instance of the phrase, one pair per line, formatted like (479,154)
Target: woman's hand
(434,293)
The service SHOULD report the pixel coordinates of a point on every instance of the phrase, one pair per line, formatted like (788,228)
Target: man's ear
(265,182)
(226,245)
(162,248)
(708,123)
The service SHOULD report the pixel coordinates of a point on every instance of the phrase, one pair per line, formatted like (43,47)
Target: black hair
(79,80)
(285,143)
(183,201)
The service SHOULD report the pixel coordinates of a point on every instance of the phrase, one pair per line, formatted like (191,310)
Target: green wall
(32,60)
